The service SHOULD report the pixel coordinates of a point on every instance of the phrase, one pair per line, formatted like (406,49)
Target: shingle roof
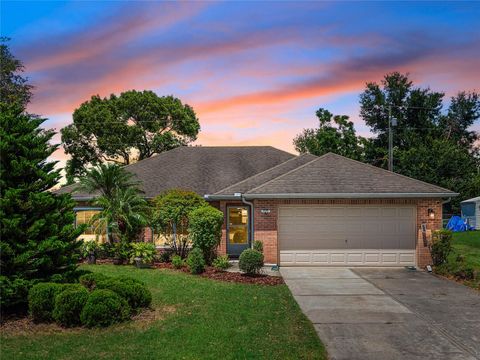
(267,175)
(203,169)
(335,174)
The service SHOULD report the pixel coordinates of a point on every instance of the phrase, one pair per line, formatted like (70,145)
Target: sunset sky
(254,72)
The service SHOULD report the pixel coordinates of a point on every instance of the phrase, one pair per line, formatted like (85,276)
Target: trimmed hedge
(250,261)
(134,292)
(103,308)
(41,300)
(69,304)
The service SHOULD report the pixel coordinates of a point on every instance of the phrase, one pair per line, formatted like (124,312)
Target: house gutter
(348,195)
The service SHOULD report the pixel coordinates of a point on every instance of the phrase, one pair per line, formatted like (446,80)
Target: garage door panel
(376,235)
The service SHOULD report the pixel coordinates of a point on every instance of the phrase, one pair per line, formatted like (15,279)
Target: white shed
(471,211)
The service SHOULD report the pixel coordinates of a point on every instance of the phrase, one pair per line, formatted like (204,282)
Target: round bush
(68,306)
(135,293)
(195,261)
(177,261)
(90,280)
(104,308)
(41,300)
(250,261)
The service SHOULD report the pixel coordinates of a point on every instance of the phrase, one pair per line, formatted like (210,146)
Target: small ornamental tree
(171,216)
(205,229)
(38,236)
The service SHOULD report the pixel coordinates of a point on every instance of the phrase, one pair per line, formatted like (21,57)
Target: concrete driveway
(382,313)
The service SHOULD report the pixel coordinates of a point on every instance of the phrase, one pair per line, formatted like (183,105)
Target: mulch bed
(212,273)
(24,325)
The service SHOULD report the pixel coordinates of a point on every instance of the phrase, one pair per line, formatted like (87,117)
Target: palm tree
(106,179)
(125,213)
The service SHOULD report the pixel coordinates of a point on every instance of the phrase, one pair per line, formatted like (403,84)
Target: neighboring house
(307,210)
(471,211)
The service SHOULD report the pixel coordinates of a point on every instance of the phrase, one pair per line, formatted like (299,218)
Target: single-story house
(307,210)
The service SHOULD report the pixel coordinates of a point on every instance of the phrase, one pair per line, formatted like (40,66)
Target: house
(307,210)
(471,211)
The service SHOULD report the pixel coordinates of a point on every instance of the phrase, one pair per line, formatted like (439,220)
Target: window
(238,225)
(84,217)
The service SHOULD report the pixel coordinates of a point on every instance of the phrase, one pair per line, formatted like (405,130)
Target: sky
(254,72)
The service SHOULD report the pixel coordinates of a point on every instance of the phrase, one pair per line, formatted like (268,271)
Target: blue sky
(255,72)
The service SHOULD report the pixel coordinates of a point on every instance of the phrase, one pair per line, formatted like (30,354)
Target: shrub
(165,256)
(136,294)
(104,308)
(88,247)
(41,300)
(221,263)
(171,215)
(145,251)
(68,306)
(14,294)
(441,246)
(205,229)
(177,261)
(251,261)
(106,251)
(195,261)
(90,280)
(258,245)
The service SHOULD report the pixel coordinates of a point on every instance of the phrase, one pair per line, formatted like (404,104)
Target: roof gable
(335,174)
(267,175)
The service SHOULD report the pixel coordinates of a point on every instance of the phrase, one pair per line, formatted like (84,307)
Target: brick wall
(265,224)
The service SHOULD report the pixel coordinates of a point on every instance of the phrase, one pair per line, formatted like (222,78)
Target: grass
(467,245)
(212,320)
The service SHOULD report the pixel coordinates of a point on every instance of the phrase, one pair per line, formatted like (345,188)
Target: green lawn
(467,244)
(211,320)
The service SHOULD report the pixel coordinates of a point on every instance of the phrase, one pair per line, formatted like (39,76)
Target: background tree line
(431,142)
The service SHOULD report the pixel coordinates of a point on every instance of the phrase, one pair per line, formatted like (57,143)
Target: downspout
(252,233)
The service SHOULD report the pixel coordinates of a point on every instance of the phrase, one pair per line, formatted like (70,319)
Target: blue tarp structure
(456,224)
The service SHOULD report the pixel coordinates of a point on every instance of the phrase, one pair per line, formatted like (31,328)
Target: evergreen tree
(38,239)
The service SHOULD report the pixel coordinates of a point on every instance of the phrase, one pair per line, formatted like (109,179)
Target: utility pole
(390,140)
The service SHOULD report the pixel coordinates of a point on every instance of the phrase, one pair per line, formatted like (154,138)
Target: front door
(237,230)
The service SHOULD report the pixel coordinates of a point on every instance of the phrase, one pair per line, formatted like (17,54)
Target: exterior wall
(265,224)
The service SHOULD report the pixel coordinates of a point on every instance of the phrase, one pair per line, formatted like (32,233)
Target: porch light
(431,214)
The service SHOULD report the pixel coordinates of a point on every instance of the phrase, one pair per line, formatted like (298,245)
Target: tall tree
(430,145)
(14,88)
(126,128)
(335,134)
(416,111)
(38,236)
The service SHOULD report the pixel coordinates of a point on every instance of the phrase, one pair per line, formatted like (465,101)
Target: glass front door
(237,230)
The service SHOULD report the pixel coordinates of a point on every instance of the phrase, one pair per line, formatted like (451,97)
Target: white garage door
(346,235)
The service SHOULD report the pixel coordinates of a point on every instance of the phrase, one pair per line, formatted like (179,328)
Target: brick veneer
(265,225)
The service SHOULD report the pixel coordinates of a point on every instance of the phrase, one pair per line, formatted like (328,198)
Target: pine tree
(38,239)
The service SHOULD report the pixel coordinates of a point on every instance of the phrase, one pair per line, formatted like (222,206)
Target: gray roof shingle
(335,174)
(267,175)
(203,169)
